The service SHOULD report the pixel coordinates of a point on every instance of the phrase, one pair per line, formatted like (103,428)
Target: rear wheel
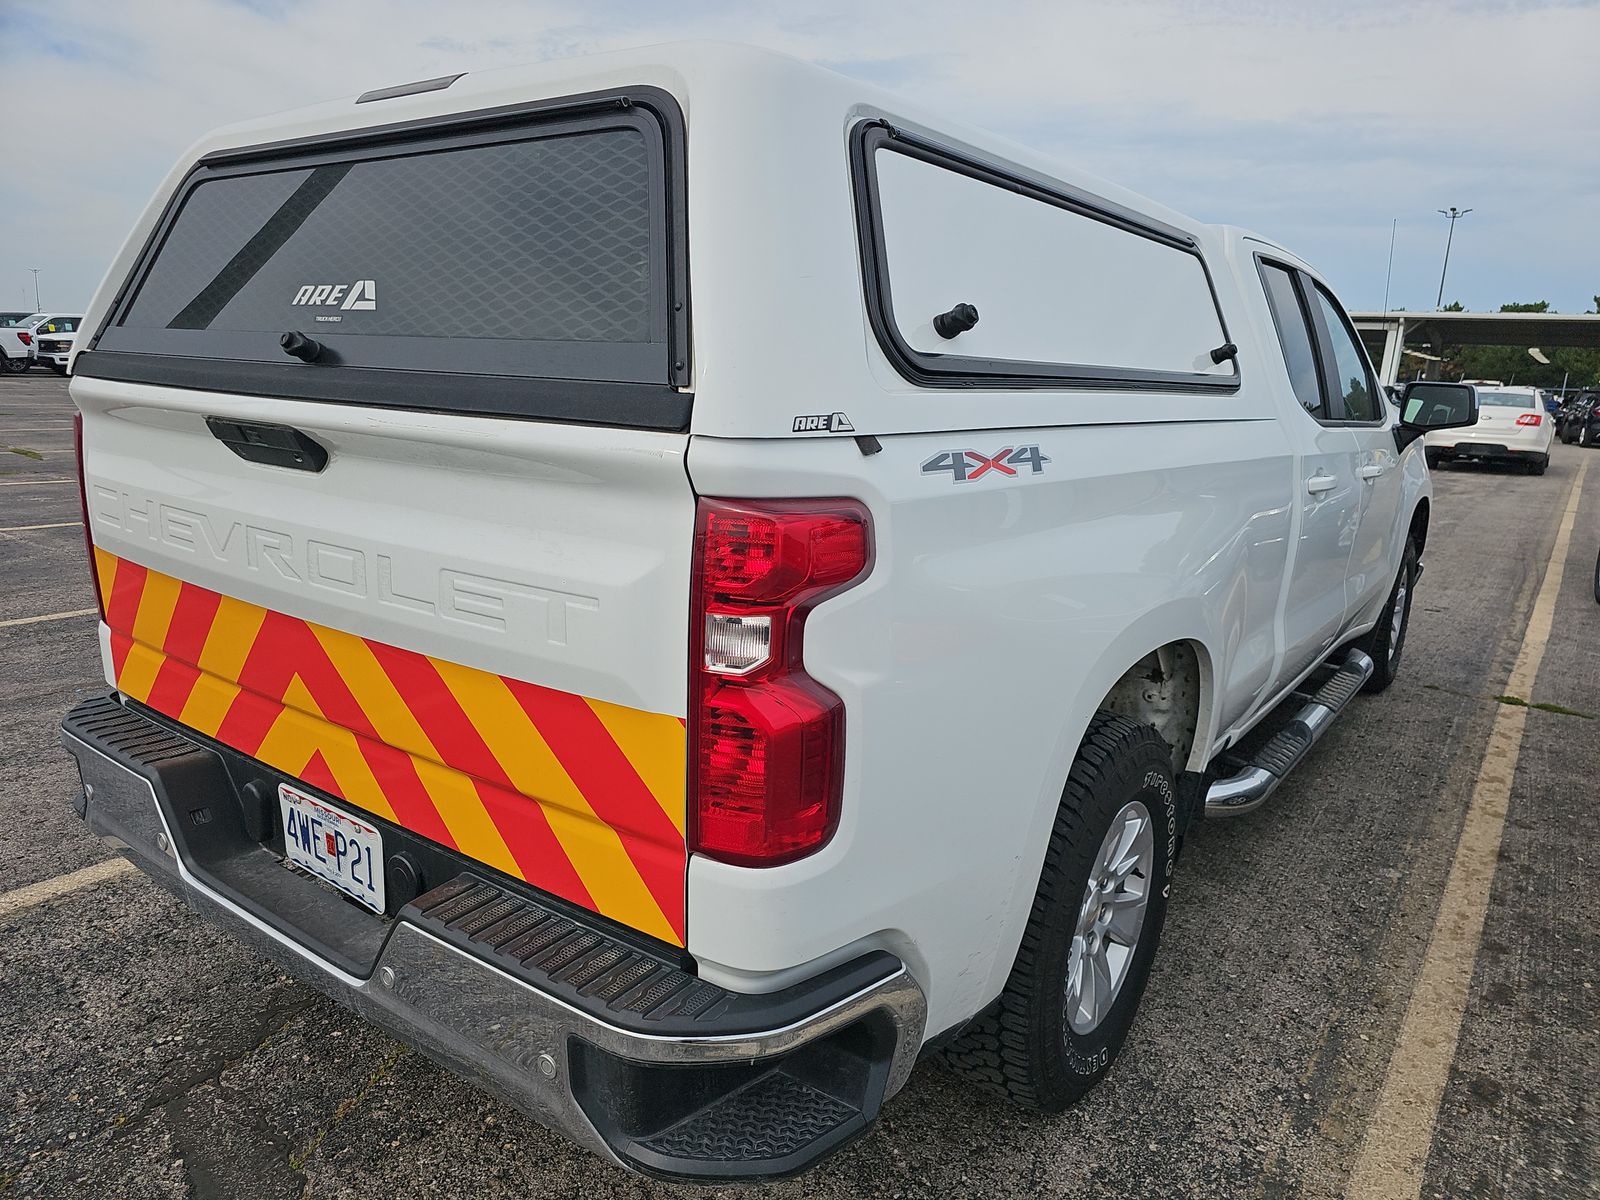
(1096,921)
(1386,641)
(13,366)
(1538,465)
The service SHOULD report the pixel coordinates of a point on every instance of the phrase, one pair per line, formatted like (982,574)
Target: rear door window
(536,249)
(1353,386)
(1294,337)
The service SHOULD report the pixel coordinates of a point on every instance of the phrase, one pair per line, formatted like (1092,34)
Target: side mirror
(1426,406)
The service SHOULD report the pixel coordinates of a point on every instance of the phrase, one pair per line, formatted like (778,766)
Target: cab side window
(1294,335)
(1352,382)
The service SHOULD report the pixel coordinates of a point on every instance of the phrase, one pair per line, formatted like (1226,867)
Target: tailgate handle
(270,445)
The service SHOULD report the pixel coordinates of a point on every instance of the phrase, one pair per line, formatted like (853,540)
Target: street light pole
(35,271)
(1455,215)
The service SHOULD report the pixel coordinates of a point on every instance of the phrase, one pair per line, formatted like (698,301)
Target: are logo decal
(967,465)
(835,422)
(360,296)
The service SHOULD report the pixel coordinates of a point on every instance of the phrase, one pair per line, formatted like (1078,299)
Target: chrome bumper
(481,1022)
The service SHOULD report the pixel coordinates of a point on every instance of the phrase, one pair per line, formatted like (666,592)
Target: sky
(1316,124)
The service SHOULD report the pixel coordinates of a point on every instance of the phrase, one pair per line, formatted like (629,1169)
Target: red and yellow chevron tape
(579,797)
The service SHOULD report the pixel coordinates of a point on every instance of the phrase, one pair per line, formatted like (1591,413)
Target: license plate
(340,849)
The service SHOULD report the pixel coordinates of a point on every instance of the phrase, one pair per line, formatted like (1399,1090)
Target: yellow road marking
(36,894)
(60,616)
(1394,1152)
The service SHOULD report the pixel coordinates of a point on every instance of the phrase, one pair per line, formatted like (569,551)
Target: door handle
(1371,471)
(1320,483)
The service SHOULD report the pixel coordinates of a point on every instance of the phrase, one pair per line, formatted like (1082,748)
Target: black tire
(1583,435)
(1433,459)
(1024,1047)
(13,366)
(1382,643)
(1597,580)
(1537,466)
(58,370)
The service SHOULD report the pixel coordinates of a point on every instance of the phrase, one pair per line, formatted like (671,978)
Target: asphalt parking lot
(1284,1047)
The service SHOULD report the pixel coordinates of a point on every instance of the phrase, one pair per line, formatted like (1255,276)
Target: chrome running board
(1249,788)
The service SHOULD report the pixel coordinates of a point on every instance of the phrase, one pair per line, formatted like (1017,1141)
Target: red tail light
(766,741)
(25,337)
(1530,418)
(83,503)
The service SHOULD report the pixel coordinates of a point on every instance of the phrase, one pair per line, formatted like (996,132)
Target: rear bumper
(1492,451)
(622,1051)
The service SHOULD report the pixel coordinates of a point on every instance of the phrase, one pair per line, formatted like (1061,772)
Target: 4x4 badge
(824,423)
(967,465)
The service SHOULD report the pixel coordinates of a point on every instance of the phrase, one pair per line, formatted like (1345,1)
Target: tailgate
(467,618)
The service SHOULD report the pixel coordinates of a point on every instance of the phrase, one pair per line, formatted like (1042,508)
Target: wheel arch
(1419,524)
(1174,638)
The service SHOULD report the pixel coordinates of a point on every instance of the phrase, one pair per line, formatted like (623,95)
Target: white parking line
(60,616)
(1394,1153)
(36,894)
(32,482)
(25,528)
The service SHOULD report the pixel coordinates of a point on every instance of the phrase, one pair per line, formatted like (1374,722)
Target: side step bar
(1247,790)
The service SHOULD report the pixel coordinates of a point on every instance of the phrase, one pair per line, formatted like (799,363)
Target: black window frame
(1322,347)
(659,403)
(970,371)
(1333,386)
(1264,261)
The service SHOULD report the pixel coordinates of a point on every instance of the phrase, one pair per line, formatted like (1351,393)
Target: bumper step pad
(541,946)
(774,1117)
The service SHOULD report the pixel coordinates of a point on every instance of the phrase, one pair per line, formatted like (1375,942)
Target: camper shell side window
(1069,290)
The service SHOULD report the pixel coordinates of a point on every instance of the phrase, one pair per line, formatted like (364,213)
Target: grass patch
(299,1159)
(1544,706)
(1561,710)
(33,454)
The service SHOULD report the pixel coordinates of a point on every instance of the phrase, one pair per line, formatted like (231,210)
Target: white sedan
(1513,426)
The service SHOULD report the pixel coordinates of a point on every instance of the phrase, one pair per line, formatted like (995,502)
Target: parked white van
(678,583)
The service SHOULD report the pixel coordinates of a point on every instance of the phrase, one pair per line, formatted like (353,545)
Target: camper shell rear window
(1070,290)
(527,261)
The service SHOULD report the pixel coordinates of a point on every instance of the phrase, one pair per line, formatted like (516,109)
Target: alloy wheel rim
(1111,917)
(1397,617)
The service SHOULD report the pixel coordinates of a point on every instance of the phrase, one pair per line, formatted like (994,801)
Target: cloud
(1314,123)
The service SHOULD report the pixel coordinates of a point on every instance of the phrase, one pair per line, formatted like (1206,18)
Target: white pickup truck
(680,584)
